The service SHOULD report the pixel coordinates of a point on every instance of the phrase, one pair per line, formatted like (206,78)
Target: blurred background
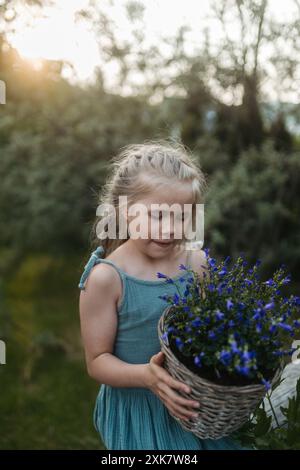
(80,80)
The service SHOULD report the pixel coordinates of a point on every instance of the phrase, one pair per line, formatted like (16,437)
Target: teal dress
(135,418)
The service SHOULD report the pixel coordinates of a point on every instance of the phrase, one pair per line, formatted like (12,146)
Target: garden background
(234,102)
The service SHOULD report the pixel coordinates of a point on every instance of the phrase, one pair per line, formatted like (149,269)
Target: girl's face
(157,222)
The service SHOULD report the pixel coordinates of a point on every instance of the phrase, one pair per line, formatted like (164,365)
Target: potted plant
(226,336)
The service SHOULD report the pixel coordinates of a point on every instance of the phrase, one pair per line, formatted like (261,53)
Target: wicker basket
(223,409)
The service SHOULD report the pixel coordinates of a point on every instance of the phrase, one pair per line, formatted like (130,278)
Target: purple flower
(179,343)
(234,348)
(182,267)
(286,280)
(197,359)
(223,272)
(243,370)
(266,383)
(269,306)
(284,326)
(212,262)
(197,322)
(165,337)
(161,275)
(225,357)
(219,315)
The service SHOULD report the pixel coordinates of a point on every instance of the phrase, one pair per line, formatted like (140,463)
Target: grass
(47,398)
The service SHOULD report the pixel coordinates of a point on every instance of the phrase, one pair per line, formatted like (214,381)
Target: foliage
(259,432)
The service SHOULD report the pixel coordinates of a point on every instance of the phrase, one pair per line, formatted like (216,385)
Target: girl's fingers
(180,405)
(168,379)
(177,398)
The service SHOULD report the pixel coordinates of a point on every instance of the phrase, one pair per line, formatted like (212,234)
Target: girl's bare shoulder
(103,278)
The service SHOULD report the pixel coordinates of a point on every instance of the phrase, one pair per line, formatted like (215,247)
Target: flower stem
(272,409)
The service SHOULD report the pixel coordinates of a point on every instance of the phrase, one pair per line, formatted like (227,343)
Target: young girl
(120,307)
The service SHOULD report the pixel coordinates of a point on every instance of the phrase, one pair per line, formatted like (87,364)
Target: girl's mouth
(163,244)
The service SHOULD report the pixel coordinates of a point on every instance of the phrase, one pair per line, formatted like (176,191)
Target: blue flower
(270,306)
(248,355)
(296,300)
(197,322)
(243,370)
(163,297)
(270,283)
(206,251)
(197,359)
(223,272)
(165,337)
(225,357)
(212,262)
(284,326)
(286,280)
(257,314)
(266,383)
(188,328)
(234,348)
(179,343)
(161,275)
(182,267)
(187,291)
(229,304)
(212,335)
(171,329)
(219,315)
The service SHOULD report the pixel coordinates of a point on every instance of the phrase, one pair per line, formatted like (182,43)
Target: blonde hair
(163,162)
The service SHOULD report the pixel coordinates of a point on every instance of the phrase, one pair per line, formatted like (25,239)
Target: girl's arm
(99,320)
(98,315)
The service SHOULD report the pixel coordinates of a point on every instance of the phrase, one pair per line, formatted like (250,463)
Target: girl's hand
(160,382)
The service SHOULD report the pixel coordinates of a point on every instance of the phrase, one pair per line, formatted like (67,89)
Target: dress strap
(94,259)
